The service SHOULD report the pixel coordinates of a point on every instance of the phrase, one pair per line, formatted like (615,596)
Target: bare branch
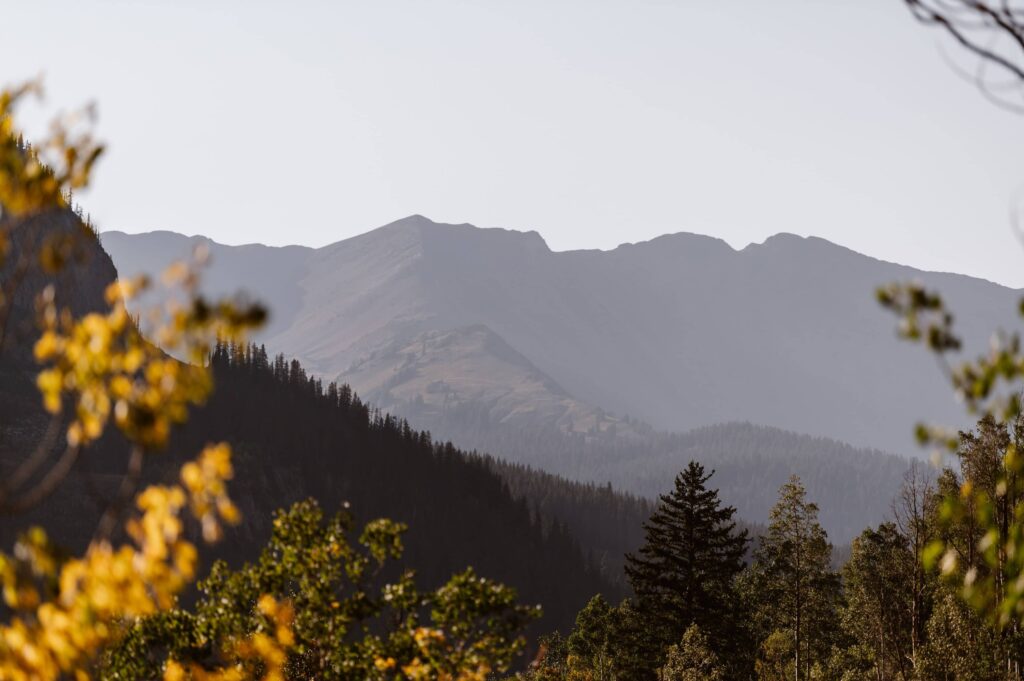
(27,468)
(47,485)
(129,483)
(993,33)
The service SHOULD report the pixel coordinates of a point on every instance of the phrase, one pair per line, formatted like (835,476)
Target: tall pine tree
(590,643)
(877,583)
(799,593)
(683,574)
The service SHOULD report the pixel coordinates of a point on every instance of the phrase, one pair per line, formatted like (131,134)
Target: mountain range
(557,542)
(595,364)
(680,332)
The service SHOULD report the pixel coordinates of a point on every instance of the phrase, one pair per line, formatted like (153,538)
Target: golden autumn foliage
(268,649)
(39,180)
(59,632)
(64,610)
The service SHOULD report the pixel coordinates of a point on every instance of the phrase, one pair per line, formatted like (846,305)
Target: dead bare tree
(992,31)
(912,510)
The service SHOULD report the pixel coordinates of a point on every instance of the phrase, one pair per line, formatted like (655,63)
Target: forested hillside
(25,428)
(888,608)
(607,522)
(856,486)
(294,438)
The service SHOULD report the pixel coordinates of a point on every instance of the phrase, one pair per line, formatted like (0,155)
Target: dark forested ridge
(608,522)
(78,285)
(294,438)
(751,463)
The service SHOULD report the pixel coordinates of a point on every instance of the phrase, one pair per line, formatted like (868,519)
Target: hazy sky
(593,122)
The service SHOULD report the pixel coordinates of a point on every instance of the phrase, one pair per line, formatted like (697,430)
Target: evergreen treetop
(683,574)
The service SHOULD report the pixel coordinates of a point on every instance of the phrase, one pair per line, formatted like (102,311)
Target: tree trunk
(796,666)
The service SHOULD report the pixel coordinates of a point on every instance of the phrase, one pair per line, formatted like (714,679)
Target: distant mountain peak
(410,221)
(429,231)
(788,240)
(816,246)
(676,242)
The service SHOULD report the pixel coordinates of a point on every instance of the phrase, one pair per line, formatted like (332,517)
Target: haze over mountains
(593,364)
(680,332)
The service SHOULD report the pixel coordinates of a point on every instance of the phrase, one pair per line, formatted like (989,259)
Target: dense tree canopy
(796,590)
(349,623)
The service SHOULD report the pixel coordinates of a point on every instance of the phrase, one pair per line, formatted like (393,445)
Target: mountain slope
(681,332)
(79,285)
(269,273)
(468,386)
(293,440)
(438,373)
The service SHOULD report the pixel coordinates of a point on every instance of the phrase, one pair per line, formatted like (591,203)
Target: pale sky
(593,122)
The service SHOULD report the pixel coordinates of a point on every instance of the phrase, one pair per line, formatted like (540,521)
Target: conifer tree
(632,643)
(959,645)
(683,574)
(878,583)
(589,644)
(914,511)
(798,591)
